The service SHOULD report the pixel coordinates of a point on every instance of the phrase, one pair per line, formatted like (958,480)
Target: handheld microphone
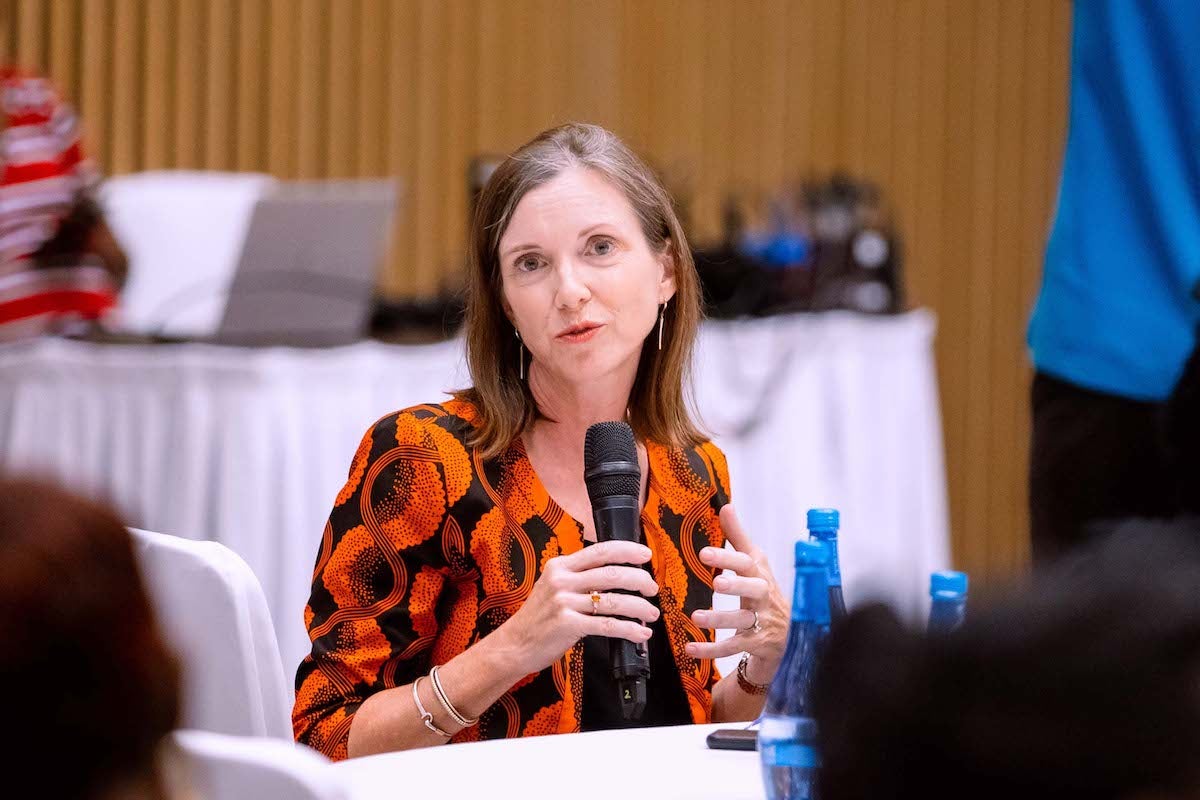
(614,482)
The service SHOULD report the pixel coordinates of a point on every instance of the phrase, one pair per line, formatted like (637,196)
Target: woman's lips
(578,337)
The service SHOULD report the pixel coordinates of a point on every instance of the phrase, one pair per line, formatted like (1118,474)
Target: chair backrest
(213,612)
(183,233)
(217,766)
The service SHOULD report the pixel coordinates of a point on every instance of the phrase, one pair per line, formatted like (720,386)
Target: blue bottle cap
(948,581)
(823,520)
(811,554)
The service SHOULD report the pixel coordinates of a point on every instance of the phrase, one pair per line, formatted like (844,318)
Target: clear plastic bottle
(823,524)
(786,738)
(948,601)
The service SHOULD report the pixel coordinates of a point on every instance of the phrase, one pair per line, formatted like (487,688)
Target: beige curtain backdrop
(957,108)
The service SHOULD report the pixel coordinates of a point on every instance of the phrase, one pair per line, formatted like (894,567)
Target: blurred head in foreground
(1085,684)
(88,682)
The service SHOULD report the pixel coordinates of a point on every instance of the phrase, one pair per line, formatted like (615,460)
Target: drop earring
(521,355)
(662,313)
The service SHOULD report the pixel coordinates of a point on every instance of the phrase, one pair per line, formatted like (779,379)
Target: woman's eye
(603,246)
(528,263)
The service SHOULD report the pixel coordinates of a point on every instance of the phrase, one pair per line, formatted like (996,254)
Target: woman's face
(579,279)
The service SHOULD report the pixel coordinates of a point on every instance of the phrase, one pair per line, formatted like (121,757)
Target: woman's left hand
(754,583)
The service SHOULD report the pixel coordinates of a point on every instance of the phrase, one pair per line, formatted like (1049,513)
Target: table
(249,447)
(669,762)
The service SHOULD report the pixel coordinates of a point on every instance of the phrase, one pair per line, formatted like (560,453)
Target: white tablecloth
(663,763)
(249,447)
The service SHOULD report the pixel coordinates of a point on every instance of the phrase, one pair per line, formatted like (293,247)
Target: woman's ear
(506,307)
(667,268)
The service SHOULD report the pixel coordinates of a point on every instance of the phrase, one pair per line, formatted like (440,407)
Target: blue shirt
(1116,311)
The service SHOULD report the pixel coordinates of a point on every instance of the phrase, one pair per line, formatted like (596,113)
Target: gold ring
(595,601)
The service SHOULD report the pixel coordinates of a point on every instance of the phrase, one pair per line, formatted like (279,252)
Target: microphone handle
(618,518)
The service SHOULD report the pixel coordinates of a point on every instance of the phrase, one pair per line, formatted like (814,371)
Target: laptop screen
(308,269)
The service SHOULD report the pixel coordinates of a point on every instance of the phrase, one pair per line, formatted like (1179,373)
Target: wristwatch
(748,686)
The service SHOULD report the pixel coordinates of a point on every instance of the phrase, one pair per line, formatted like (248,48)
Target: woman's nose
(572,289)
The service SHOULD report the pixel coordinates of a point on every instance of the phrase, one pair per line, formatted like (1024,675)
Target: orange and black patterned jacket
(429,548)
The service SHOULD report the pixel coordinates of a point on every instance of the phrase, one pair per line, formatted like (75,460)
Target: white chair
(220,767)
(213,612)
(183,233)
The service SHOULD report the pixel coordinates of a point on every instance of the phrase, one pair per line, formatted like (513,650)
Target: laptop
(307,273)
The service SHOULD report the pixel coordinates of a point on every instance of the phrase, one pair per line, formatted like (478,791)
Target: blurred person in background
(1183,436)
(459,590)
(1085,684)
(1119,305)
(91,689)
(60,267)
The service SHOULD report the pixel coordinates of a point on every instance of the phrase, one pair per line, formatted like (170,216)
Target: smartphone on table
(733,739)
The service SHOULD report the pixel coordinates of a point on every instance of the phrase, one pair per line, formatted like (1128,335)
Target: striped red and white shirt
(42,173)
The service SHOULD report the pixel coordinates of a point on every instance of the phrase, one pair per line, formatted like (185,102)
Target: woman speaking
(459,593)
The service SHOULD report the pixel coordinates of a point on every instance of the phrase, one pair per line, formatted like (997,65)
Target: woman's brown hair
(85,670)
(658,406)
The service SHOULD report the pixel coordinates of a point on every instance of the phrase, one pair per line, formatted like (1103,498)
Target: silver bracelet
(445,701)
(426,717)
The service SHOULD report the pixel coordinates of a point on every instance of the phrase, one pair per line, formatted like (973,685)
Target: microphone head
(610,463)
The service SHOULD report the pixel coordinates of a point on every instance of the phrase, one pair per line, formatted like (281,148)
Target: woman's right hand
(559,610)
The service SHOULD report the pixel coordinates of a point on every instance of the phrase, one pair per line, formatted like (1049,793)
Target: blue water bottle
(948,601)
(787,736)
(823,524)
